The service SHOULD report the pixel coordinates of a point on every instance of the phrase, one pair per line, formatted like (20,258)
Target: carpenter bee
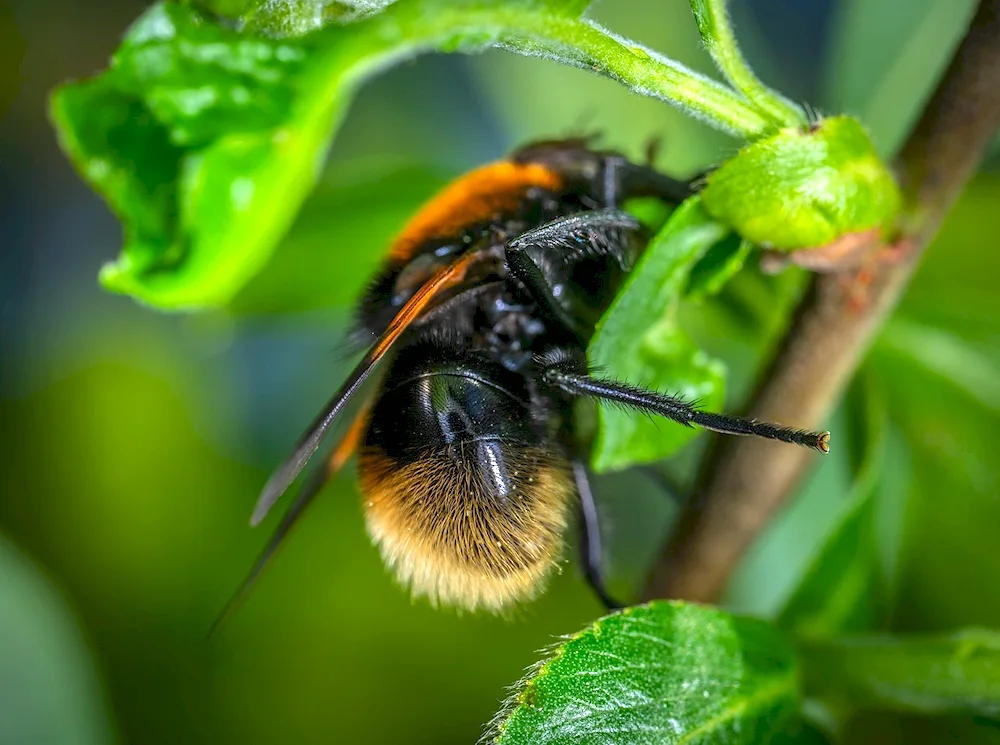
(469,449)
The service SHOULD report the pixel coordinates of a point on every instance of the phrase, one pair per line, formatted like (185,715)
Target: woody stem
(744,481)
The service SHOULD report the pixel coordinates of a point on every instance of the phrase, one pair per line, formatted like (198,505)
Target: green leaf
(666,672)
(202,147)
(720,264)
(205,141)
(804,187)
(841,590)
(288,18)
(954,673)
(639,340)
(940,359)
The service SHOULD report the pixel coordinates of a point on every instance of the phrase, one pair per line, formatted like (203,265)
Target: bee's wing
(312,486)
(313,436)
(310,441)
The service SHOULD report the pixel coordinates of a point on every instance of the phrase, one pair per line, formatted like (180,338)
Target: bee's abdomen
(477,525)
(430,402)
(466,491)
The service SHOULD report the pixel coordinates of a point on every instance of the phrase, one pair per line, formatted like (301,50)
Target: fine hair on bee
(469,447)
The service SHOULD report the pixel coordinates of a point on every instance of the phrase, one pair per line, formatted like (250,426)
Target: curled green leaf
(804,187)
(205,140)
(666,672)
(203,143)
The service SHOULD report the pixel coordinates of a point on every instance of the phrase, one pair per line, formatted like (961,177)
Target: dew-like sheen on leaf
(666,672)
(205,140)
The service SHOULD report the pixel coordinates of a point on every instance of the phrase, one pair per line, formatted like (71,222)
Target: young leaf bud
(804,188)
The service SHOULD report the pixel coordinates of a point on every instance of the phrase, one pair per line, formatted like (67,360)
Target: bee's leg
(591,551)
(534,256)
(571,377)
(624,179)
(525,269)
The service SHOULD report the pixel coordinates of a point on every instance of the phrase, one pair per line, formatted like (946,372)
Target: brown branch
(745,480)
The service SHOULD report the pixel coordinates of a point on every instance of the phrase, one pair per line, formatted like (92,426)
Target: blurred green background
(135,443)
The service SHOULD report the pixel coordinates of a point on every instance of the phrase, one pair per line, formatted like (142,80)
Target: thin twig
(717,33)
(744,480)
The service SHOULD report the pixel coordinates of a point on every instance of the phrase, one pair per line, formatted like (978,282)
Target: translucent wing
(310,441)
(313,436)
(313,485)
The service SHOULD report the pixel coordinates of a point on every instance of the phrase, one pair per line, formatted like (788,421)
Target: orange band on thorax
(478,196)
